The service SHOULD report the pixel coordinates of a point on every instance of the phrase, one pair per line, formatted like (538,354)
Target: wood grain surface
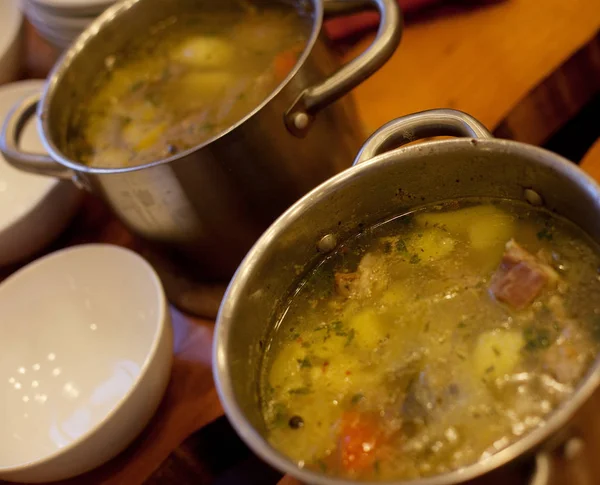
(492,62)
(591,162)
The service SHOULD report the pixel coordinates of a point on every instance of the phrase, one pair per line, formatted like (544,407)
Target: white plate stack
(61,21)
(10,40)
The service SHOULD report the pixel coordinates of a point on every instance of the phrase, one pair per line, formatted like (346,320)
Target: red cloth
(341,27)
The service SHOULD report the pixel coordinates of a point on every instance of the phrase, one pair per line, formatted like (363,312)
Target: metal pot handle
(435,122)
(545,460)
(9,143)
(300,116)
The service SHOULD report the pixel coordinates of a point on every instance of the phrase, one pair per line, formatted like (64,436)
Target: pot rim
(235,291)
(78,48)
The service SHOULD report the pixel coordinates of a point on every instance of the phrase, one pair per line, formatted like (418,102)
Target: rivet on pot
(533,197)
(573,447)
(327,243)
(301,121)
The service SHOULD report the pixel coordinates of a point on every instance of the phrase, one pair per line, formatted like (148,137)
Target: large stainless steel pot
(392,181)
(213,201)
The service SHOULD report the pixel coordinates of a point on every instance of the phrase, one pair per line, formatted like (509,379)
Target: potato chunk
(432,244)
(484,224)
(286,370)
(491,231)
(496,353)
(207,52)
(366,329)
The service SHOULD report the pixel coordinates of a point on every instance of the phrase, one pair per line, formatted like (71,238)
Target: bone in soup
(193,77)
(433,340)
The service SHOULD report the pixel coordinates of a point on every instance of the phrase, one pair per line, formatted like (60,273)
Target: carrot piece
(285,61)
(359,438)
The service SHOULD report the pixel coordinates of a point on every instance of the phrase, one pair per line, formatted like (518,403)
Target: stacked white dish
(61,21)
(11,21)
(34,209)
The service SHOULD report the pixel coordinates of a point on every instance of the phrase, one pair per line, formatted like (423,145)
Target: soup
(433,340)
(188,81)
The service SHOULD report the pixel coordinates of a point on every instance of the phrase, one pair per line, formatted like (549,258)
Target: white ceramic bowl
(71,26)
(60,22)
(85,357)
(72,8)
(11,38)
(33,209)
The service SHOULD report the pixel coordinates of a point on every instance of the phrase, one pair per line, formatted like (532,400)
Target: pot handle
(545,460)
(434,122)
(300,116)
(9,143)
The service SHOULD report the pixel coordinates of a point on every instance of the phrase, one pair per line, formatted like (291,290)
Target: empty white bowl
(33,209)
(11,22)
(85,355)
(60,22)
(74,8)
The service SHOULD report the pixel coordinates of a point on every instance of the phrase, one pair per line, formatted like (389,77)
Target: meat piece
(370,277)
(521,277)
(345,283)
(563,363)
(569,357)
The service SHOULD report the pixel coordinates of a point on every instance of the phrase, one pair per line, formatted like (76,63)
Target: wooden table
(523,67)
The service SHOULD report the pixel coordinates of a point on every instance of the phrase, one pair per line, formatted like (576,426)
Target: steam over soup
(189,80)
(433,340)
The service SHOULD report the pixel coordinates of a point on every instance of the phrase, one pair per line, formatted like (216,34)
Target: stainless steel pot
(213,201)
(391,181)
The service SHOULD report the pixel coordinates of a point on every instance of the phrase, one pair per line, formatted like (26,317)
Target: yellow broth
(395,359)
(193,78)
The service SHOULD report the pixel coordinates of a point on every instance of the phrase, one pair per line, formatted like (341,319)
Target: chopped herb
(305,345)
(295,336)
(322,465)
(414,259)
(406,220)
(337,325)
(136,86)
(536,338)
(426,329)
(387,247)
(268,391)
(376,467)
(401,246)
(357,398)
(556,326)
(350,337)
(596,327)
(453,389)
(300,390)
(461,325)
(544,234)
(280,414)
(489,369)
(153,98)
(304,363)
(496,351)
